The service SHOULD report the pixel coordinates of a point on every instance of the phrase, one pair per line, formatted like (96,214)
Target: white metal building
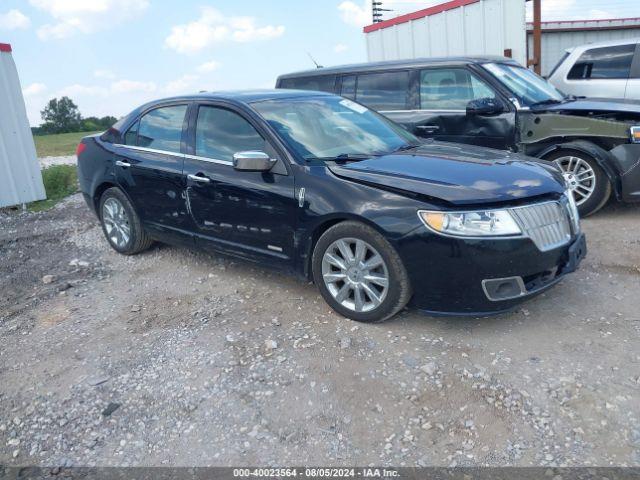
(458,27)
(557,37)
(20,177)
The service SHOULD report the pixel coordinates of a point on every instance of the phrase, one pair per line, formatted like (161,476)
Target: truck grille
(547,224)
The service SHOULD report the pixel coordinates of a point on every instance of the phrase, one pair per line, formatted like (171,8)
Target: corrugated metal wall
(557,37)
(486,27)
(20,177)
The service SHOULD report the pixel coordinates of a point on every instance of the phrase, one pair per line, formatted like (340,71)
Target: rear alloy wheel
(359,273)
(121,224)
(585,179)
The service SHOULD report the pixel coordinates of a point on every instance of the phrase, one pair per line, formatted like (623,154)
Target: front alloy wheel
(355,274)
(359,273)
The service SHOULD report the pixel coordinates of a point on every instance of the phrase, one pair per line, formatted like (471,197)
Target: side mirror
(253,161)
(484,106)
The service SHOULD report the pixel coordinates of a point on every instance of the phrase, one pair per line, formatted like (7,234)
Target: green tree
(61,116)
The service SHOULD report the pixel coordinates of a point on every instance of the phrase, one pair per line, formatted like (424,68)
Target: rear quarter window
(604,63)
(322,83)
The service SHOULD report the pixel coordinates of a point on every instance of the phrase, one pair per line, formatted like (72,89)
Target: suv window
(220,133)
(606,62)
(451,89)
(349,87)
(383,91)
(323,83)
(161,128)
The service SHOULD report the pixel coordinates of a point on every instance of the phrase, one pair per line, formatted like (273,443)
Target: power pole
(376,11)
(537,36)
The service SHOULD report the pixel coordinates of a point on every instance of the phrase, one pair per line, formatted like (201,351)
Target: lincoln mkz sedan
(322,186)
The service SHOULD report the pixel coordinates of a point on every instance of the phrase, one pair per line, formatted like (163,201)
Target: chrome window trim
(420,110)
(210,160)
(149,150)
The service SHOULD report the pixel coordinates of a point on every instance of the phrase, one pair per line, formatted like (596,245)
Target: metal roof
(410,63)
(20,178)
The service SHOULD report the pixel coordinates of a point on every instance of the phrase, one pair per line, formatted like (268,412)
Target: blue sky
(112,55)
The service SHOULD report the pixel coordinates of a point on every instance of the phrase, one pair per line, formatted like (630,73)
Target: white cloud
(354,14)
(340,47)
(76,90)
(34,89)
(104,73)
(85,16)
(14,20)
(213,27)
(183,84)
(127,86)
(208,66)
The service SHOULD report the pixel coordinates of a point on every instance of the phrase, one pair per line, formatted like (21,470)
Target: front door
(250,214)
(148,167)
(443,97)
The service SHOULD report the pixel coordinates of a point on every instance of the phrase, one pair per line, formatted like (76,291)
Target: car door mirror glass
(253,161)
(484,106)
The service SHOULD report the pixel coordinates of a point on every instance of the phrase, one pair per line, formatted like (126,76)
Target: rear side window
(383,91)
(161,128)
(607,62)
(220,133)
(451,89)
(323,83)
(131,137)
(349,87)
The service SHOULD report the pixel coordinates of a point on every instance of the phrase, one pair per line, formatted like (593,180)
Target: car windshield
(528,88)
(333,128)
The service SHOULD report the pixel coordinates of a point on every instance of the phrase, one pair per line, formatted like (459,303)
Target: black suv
(495,102)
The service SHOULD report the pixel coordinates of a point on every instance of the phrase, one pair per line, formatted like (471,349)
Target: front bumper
(453,276)
(627,158)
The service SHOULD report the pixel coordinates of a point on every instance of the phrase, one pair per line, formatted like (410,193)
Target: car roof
(607,43)
(396,64)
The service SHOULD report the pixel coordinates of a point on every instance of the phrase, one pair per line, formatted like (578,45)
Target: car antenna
(314,61)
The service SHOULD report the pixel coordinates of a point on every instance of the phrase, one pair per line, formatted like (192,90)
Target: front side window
(451,89)
(322,83)
(383,91)
(604,63)
(161,129)
(220,133)
(332,127)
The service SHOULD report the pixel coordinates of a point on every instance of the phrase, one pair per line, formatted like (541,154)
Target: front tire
(120,223)
(589,184)
(359,273)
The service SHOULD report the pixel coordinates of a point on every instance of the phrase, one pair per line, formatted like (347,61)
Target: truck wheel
(120,223)
(359,273)
(587,181)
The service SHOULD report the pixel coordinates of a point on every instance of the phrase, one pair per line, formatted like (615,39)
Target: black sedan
(324,187)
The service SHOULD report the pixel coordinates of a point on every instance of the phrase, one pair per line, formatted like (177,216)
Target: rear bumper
(457,277)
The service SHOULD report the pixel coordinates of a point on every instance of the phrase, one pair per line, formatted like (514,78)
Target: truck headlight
(481,223)
(635,134)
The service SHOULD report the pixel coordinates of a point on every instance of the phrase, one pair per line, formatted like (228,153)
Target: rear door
(149,166)
(251,214)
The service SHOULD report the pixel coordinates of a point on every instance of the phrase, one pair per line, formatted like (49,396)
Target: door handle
(428,128)
(120,163)
(199,178)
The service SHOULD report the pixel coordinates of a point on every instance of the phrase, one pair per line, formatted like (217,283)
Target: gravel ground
(174,357)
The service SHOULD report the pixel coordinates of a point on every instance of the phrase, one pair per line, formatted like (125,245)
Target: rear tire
(359,273)
(592,187)
(121,224)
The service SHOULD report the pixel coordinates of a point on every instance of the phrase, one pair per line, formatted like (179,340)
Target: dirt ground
(168,358)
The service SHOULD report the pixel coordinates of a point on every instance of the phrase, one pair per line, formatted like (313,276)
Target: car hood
(457,174)
(600,105)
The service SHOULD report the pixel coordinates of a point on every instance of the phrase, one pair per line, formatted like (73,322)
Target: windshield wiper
(342,157)
(548,101)
(407,147)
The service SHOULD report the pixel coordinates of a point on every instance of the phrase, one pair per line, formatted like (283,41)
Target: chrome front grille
(547,224)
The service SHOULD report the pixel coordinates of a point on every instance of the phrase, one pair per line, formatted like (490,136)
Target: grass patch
(61,144)
(60,181)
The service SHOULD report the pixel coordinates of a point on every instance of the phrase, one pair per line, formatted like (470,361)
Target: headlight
(489,223)
(635,134)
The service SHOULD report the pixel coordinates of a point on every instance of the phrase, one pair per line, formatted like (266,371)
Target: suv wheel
(120,223)
(587,181)
(359,273)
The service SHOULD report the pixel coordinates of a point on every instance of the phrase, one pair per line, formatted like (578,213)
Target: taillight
(81,148)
